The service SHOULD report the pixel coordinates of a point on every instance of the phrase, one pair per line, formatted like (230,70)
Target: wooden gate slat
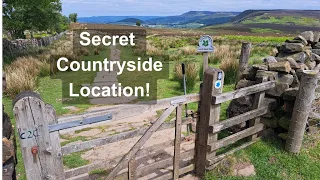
(140,142)
(177,141)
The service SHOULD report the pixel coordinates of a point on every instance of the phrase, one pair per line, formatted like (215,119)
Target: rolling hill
(272,21)
(112,19)
(285,17)
(200,17)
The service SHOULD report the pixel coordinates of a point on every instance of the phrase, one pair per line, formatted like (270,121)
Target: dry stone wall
(18,47)
(286,68)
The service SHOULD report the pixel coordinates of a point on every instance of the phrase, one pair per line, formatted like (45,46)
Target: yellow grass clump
(230,68)
(22,74)
(188,50)
(191,74)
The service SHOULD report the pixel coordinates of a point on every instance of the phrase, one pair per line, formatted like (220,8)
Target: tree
(62,24)
(73,17)
(21,15)
(138,23)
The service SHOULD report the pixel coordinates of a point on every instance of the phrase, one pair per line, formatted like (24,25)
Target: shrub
(230,68)
(224,52)
(22,74)
(191,74)
(176,56)
(82,52)
(188,50)
(154,51)
(96,52)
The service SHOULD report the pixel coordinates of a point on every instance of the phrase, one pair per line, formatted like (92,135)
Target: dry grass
(223,52)
(191,74)
(154,51)
(230,67)
(188,50)
(22,74)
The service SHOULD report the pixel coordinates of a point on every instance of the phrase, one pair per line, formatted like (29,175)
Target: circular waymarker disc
(218,84)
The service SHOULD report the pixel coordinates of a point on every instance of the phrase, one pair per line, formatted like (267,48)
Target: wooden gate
(39,128)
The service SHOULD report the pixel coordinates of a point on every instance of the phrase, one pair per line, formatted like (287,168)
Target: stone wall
(293,57)
(12,49)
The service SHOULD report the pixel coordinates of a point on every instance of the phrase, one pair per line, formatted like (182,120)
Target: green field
(285,20)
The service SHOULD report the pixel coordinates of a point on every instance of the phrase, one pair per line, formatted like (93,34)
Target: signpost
(205,46)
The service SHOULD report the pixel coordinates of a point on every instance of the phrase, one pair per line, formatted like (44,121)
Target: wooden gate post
(209,114)
(244,59)
(41,150)
(301,111)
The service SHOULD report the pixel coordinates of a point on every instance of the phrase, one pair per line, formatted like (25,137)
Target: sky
(87,8)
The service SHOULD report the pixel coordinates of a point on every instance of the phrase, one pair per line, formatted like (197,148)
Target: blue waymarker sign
(218,84)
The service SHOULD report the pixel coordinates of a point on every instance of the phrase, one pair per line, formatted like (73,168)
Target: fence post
(41,150)
(209,114)
(257,103)
(301,111)
(244,59)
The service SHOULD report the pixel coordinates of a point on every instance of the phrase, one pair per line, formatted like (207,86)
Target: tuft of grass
(102,172)
(191,74)
(72,139)
(74,160)
(230,69)
(23,73)
(82,130)
(188,50)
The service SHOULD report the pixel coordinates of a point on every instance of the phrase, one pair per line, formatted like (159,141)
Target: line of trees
(34,15)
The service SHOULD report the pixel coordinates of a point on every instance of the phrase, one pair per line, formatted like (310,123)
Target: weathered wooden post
(41,150)
(244,59)
(206,47)
(301,111)
(209,114)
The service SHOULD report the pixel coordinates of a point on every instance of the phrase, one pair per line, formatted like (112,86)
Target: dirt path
(113,150)
(108,78)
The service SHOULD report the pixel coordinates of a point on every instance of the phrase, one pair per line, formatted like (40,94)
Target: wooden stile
(209,114)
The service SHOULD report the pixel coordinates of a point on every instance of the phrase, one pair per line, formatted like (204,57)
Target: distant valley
(250,20)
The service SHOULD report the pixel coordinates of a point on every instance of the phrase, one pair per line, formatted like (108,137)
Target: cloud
(175,7)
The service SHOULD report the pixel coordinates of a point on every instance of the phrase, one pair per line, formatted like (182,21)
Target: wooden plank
(71,148)
(205,61)
(235,137)
(218,99)
(132,169)
(238,119)
(257,103)
(177,142)
(33,117)
(212,159)
(141,142)
(145,170)
(182,171)
(209,115)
